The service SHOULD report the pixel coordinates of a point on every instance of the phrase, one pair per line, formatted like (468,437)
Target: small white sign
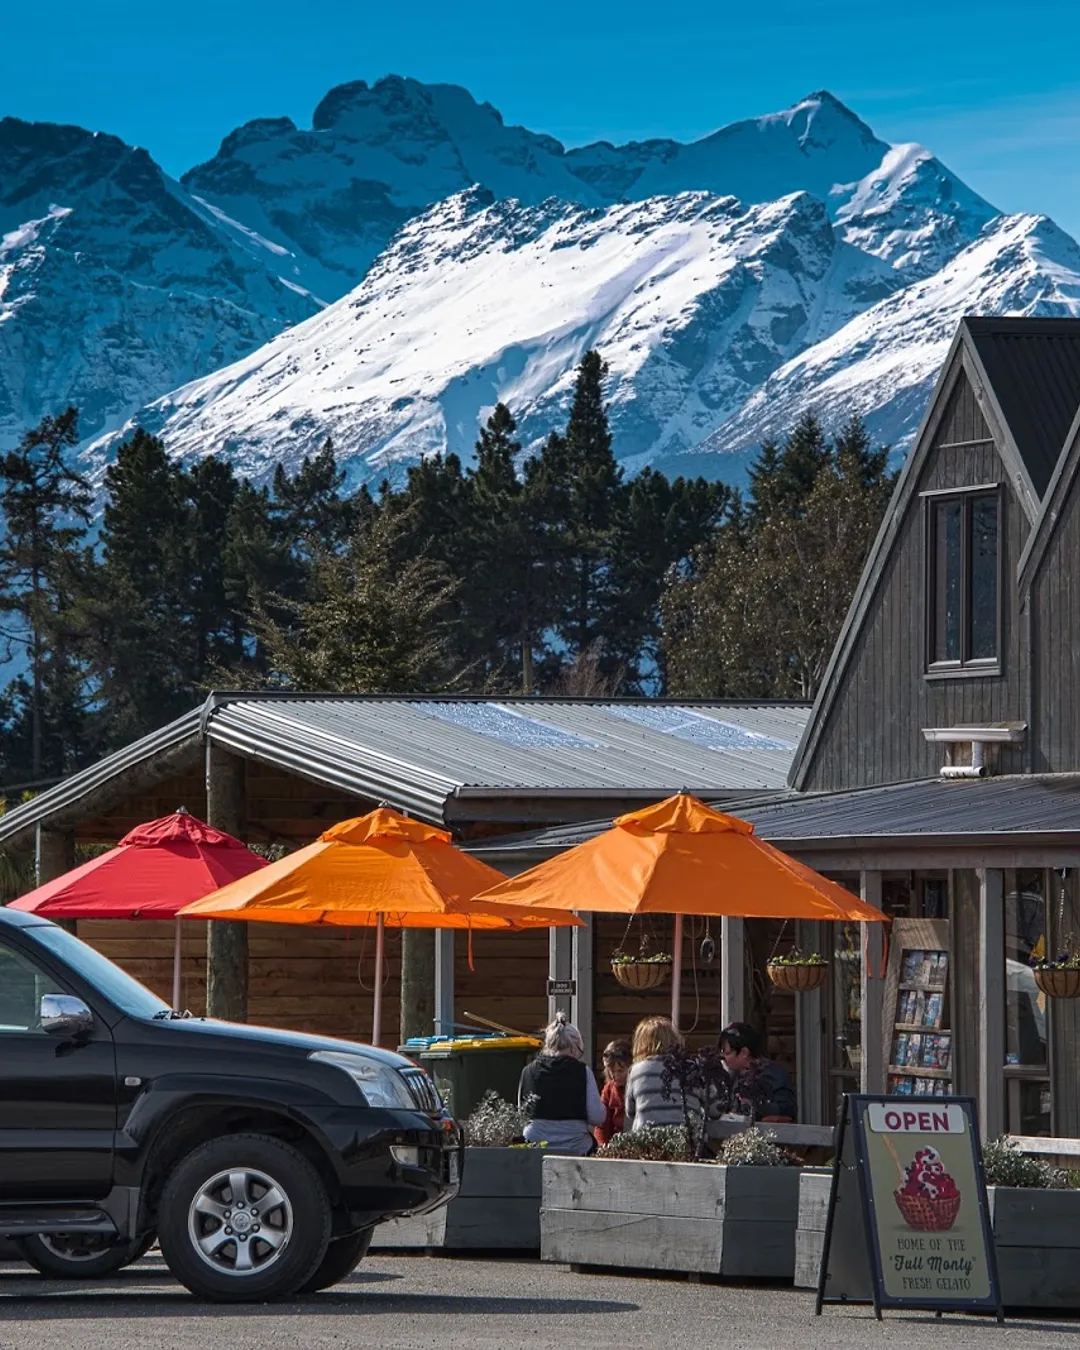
(888,1119)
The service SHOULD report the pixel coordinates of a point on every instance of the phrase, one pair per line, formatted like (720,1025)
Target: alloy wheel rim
(74,1247)
(240,1221)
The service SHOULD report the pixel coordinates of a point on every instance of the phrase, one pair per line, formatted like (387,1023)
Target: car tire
(342,1257)
(244,1219)
(71,1256)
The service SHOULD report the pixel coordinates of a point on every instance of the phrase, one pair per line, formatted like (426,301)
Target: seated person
(647,1101)
(559,1094)
(760,1083)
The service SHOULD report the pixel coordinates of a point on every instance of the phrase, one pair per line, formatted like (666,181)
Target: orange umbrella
(378,869)
(681,857)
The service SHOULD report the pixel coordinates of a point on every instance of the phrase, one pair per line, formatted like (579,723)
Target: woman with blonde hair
(646,1103)
(558,1092)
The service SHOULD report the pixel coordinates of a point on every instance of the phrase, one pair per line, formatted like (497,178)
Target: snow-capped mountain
(883,363)
(694,300)
(334,195)
(461,261)
(114,283)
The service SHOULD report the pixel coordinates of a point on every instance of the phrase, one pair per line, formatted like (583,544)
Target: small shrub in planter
(755,1148)
(652,1143)
(1005,1165)
(495,1123)
(798,972)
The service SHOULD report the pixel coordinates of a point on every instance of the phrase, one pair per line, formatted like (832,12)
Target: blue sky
(992,89)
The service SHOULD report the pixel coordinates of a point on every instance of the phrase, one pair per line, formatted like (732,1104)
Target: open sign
(887,1118)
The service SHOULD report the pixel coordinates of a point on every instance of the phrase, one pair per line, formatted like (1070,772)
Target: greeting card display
(918,1046)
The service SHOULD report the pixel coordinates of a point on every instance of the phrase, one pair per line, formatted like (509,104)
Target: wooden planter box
(498,1206)
(1037,1235)
(699,1218)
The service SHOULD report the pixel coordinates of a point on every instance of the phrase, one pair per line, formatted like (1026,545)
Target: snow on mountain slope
(693,300)
(333,196)
(113,285)
(883,363)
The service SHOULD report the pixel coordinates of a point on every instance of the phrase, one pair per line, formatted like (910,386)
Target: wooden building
(277,769)
(939,773)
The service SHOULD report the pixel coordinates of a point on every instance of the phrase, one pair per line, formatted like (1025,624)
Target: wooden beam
(444,981)
(872,1071)
(227,943)
(732,971)
(54,853)
(581,972)
(417,982)
(560,967)
(991,1014)
(812,1058)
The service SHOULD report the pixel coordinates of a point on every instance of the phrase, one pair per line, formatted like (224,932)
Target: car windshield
(119,988)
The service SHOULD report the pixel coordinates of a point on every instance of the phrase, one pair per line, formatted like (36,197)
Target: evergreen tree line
(515,574)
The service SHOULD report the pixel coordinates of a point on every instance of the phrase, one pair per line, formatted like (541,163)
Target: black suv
(260,1159)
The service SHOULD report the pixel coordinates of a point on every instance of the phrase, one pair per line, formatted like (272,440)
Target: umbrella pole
(676,970)
(376,1016)
(176,966)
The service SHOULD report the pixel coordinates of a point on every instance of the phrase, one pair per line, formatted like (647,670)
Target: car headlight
(406,1154)
(379,1083)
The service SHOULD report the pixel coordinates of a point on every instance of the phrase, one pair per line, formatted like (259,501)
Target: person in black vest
(559,1094)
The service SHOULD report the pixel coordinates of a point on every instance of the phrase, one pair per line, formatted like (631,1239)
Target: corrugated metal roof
(419,751)
(1033,366)
(1015,805)
(999,809)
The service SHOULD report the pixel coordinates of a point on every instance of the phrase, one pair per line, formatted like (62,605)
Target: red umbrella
(154,871)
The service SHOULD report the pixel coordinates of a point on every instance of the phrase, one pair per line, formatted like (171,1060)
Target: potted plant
(498,1205)
(1059,977)
(798,972)
(644,971)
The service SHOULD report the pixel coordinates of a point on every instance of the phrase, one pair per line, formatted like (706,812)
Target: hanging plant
(644,970)
(798,972)
(1059,977)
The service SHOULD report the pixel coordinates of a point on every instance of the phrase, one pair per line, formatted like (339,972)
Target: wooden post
(872,1072)
(581,972)
(417,982)
(732,971)
(560,967)
(226,943)
(1063,1018)
(444,981)
(677,945)
(991,1016)
(810,1061)
(54,853)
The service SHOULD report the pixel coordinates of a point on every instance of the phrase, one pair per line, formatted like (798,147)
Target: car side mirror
(65,1015)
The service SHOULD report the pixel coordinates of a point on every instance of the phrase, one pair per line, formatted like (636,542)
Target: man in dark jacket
(758,1082)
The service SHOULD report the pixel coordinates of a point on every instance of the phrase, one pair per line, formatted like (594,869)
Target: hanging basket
(797,979)
(1062,982)
(641,974)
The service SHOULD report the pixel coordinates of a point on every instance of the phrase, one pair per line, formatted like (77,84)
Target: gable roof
(1061,485)
(1032,367)
(979,351)
(423,752)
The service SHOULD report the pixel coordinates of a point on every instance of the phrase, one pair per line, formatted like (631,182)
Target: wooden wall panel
(1055,602)
(873,734)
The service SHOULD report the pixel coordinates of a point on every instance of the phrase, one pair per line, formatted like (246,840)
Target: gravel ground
(416,1302)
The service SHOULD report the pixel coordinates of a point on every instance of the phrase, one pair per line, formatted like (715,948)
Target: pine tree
(139,614)
(44,503)
(593,480)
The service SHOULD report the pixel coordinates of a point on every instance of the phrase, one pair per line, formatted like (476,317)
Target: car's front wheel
(78,1256)
(244,1219)
(342,1257)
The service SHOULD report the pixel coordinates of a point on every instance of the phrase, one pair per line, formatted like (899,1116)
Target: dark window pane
(947,581)
(984,578)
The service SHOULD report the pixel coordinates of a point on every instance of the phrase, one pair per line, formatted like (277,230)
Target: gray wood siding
(873,734)
(1055,622)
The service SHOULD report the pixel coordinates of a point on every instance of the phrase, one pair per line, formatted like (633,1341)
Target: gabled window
(963,569)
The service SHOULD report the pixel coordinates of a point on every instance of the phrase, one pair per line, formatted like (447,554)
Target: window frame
(967,666)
